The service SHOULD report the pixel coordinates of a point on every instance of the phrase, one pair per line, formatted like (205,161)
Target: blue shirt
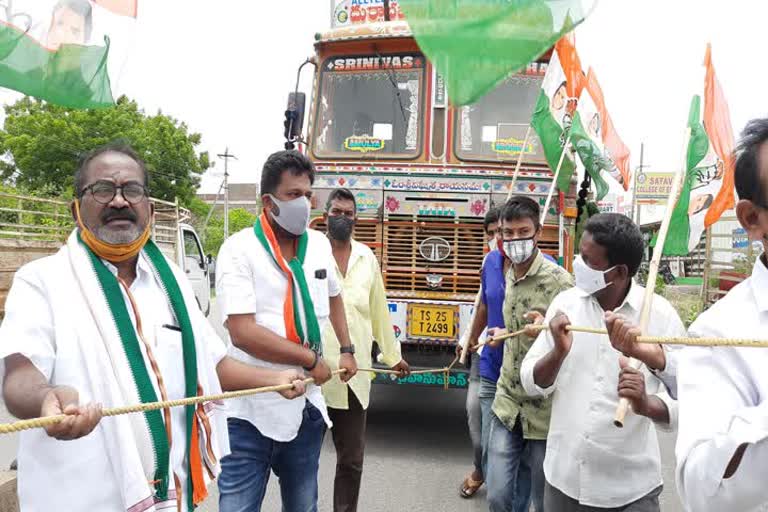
(550,258)
(494,288)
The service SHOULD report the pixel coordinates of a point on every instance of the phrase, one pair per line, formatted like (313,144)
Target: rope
(655,340)
(18,426)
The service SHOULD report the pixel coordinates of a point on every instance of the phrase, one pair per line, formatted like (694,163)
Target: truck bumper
(458,378)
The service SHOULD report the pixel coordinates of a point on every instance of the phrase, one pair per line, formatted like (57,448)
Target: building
(241,195)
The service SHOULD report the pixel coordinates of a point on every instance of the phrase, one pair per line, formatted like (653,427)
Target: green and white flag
(600,149)
(61,51)
(476,44)
(708,189)
(555,106)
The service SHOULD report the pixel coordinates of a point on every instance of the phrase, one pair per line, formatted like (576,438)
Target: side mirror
(294,118)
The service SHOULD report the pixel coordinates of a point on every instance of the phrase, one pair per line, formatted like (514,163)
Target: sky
(226,68)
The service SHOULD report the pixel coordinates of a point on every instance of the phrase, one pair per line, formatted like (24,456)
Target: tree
(213,233)
(42,143)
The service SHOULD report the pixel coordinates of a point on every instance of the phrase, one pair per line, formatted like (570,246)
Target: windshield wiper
(393,81)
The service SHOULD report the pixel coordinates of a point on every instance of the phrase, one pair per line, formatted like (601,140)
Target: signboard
(653,185)
(358,12)
(740,239)
(606,206)
(363,143)
(396,62)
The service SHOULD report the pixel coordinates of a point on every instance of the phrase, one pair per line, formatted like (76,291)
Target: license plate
(432,321)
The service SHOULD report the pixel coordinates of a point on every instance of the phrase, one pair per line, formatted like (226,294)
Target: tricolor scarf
(154,419)
(299,328)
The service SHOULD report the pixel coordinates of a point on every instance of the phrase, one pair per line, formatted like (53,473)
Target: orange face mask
(115,253)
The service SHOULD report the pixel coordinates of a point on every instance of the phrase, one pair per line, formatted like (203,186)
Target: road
(417,454)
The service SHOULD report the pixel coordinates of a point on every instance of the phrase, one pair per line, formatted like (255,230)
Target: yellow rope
(657,340)
(18,426)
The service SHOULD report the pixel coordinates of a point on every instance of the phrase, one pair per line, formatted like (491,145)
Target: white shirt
(249,282)
(28,329)
(588,458)
(723,404)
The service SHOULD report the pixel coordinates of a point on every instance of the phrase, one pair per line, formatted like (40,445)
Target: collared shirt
(29,329)
(249,282)
(534,291)
(588,458)
(367,311)
(493,288)
(723,404)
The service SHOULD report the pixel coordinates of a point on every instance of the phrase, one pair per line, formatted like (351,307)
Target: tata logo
(435,249)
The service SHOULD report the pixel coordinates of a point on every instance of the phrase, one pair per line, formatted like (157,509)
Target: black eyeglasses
(105,191)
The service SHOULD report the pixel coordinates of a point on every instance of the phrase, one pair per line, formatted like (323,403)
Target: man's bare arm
(24,387)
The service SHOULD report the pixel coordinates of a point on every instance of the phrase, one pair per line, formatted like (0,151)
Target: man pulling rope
(108,320)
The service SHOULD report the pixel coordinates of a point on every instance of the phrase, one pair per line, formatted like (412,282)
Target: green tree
(213,233)
(44,142)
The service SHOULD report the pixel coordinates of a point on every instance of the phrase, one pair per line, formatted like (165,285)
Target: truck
(34,227)
(424,173)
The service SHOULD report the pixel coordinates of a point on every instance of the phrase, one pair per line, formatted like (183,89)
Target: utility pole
(386,10)
(226,156)
(638,170)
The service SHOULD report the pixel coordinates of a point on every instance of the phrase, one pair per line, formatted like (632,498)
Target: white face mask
(519,251)
(588,279)
(293,215)
(493,245)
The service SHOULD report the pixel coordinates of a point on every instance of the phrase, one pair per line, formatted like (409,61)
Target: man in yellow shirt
(368,319)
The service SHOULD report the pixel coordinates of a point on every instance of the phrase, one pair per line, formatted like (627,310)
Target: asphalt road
(417,453)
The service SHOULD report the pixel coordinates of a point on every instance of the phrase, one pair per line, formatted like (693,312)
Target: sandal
(469,487)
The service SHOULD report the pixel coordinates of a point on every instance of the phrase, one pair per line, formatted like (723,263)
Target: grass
(686,300)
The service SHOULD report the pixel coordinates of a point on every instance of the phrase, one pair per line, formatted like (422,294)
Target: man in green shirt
(519,424)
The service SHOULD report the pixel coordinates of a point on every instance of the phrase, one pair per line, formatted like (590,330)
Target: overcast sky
(226,67)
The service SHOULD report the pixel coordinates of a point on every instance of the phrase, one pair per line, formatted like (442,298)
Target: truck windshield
(370,107)
(494,127)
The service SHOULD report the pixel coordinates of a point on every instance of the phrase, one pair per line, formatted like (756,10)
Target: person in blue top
(486,361)
(489,315)
(475,479)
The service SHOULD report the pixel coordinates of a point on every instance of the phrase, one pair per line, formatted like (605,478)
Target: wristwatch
(314,363)
(348,350)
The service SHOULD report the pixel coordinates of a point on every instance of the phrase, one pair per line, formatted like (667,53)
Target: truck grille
(397,243)
(458,244)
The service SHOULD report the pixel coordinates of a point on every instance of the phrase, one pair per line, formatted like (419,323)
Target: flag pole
(653,271)
(554,180)
(519,162)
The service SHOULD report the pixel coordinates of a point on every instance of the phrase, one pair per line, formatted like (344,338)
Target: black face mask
(340,227)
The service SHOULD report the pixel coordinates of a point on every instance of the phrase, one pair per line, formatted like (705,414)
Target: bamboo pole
(465,343)
(519,162)
(707,268)
(653,340)
(645,314)
(554,180)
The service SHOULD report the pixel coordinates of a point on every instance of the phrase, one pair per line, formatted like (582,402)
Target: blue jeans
(509,488)
(474,416)
(245,472)
(487,393)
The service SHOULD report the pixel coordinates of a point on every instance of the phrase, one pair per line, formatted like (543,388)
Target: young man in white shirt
(277,290)
(590,464)
(722,445)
